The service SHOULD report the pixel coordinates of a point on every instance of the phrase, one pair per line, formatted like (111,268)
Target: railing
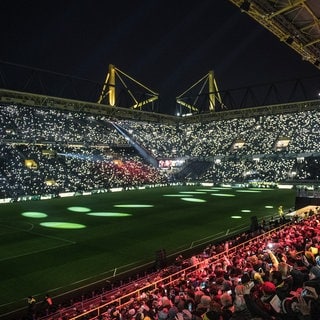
(102,294)
(99,308)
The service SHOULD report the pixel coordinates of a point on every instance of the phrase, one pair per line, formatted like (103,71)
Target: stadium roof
(227,41)
(295,22)
(36,100)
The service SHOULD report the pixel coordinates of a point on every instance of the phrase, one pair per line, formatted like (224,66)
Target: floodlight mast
(109,89)
(213,88)
(112,85)
(213,93)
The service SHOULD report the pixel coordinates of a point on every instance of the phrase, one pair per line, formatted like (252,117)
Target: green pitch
(54,246)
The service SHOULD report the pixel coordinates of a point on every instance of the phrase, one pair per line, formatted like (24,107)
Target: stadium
(113,210)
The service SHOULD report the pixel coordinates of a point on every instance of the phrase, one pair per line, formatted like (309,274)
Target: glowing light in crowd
(80,156)
(79,209)
(34,214)
(62,225)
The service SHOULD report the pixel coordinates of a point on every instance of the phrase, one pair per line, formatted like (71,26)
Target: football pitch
(54,246)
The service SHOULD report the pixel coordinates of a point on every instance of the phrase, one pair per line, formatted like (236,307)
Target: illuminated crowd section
(203,286)
(47,152)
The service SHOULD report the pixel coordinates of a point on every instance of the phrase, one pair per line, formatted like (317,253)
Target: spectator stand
(121,298)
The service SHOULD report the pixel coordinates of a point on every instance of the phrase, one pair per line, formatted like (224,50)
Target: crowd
(28,124)
(71,170)
(275,276)
(89,152)
(75,152)
(70,152)
(259,134)
(268,170)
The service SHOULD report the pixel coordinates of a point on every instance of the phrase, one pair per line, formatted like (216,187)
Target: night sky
(166,45)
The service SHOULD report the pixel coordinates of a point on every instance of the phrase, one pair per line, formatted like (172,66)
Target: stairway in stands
(193,170)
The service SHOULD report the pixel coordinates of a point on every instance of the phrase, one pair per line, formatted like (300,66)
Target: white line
(40,234)
(86,280)
(64,288)
(36,251)
(66,242)
(31,227)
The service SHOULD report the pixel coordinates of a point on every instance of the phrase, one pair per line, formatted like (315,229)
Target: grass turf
(93,235)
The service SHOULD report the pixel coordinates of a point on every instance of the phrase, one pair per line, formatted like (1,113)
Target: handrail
(127,299)
(95,300)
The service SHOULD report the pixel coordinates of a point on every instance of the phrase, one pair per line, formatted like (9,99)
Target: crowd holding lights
(89,153)
(275,275)
(216,137)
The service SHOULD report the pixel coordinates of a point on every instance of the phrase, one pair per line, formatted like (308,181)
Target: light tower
(111,84)
(211,93)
